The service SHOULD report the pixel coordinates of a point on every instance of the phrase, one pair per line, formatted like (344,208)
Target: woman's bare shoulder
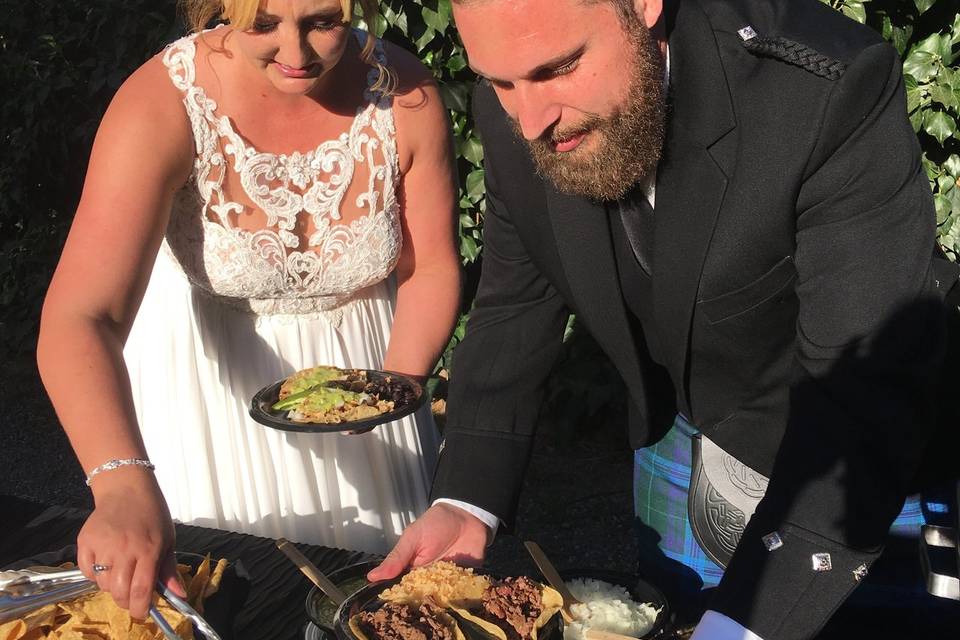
(416,100)
(147,112)
(149,94)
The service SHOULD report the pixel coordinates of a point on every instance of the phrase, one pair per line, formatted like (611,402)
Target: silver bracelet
(110,465)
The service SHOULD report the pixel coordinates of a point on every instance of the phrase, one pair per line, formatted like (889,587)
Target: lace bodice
(266,270)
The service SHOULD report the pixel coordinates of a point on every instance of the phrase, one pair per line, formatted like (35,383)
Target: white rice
(607,607)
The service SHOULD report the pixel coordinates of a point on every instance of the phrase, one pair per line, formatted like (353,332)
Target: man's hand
(443,532)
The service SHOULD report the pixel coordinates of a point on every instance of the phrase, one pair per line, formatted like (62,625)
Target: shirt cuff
(487,518)
(716,626)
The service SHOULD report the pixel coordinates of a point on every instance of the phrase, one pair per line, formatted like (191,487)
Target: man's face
(583,86)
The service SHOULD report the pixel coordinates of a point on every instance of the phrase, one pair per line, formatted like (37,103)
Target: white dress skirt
(194,365)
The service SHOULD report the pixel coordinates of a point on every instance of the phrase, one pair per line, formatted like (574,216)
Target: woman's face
(295,43)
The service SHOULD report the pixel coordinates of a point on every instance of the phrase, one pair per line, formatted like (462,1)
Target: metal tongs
(26,590)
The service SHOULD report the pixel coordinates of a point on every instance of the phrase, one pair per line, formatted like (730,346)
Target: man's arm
(512,340)
(868,341)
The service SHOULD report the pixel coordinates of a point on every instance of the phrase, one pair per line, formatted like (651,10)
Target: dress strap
(178,58)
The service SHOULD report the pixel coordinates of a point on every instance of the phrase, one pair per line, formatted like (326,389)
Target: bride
(274,193)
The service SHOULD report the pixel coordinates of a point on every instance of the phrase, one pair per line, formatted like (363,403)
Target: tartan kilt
(661,481)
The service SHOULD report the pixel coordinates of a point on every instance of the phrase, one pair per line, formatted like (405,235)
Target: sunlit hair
(241,15)
(624,8)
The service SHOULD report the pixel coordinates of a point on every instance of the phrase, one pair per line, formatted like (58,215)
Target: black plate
(220,609)
(261,411)
(368,599)
(317,600)
(639,589)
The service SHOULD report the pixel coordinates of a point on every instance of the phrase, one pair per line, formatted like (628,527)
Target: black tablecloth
(274,605)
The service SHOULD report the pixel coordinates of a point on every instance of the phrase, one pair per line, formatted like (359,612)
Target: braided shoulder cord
(796,54)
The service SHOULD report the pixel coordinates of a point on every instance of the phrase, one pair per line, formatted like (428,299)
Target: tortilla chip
(13,630)
(198,583)
(96,616)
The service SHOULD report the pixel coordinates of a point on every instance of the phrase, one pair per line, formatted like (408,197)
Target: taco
(514,608)
(395,621)
(329,395)
(309,378)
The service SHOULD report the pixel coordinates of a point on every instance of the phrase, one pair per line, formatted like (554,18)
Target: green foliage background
(62,60)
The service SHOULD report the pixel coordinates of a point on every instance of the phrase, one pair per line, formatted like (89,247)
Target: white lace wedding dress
(228,311)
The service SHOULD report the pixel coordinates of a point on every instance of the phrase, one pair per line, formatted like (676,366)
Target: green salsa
(326,608)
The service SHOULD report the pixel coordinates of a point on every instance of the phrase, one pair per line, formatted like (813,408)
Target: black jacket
(792,290)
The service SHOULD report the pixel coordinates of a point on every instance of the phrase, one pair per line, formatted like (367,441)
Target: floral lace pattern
(267,271)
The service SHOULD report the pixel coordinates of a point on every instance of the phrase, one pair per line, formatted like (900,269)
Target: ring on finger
(100,568)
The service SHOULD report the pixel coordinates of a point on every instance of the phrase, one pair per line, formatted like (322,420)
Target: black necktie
(637,217)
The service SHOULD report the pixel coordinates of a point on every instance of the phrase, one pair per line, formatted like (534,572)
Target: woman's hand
(131,534)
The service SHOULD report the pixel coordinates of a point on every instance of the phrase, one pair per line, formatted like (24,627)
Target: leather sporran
(723,495)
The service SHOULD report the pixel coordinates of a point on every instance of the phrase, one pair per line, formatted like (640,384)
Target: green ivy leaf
(952,165)
(944,95)
(854,10)
(916,120)
(945,183)
(913,92)
(944,207)
(923,5)
(456,62)
(424,40)
(474,185)
(469,250)
(456,96)
(472,150)
(949,76)
(930,44)
(435,19)
(921,65)
(940,125)
(955,203)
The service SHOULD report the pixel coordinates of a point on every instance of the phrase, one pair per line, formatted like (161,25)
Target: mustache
(556,134)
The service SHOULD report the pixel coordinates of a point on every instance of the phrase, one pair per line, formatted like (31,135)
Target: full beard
(626,144)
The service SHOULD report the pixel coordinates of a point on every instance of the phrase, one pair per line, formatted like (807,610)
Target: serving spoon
(553,578)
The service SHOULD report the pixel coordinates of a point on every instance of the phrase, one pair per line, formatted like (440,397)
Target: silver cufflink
(860,573)
(821,562)
(747,33)
(772,541)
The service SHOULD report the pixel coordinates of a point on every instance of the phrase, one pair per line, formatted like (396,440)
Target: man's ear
(648,10)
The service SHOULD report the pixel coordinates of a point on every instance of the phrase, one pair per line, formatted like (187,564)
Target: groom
(729,196)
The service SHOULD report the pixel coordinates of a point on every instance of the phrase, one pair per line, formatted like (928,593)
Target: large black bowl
(318,603)
(368,599)
(261,408)
(640,590)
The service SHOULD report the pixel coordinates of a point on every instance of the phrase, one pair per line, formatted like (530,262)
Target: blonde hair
(242,13)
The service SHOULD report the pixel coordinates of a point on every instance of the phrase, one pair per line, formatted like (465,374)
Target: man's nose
(536,110)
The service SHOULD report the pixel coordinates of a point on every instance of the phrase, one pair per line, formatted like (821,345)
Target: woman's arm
(141,155)
(428,273)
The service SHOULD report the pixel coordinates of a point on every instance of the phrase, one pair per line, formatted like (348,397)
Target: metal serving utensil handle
(161,622)
(31,575)
(12,608)
(553,577)
(183,607)
(311,571)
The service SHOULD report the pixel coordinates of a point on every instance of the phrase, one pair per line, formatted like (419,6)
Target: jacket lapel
(691,178)
(582,232)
